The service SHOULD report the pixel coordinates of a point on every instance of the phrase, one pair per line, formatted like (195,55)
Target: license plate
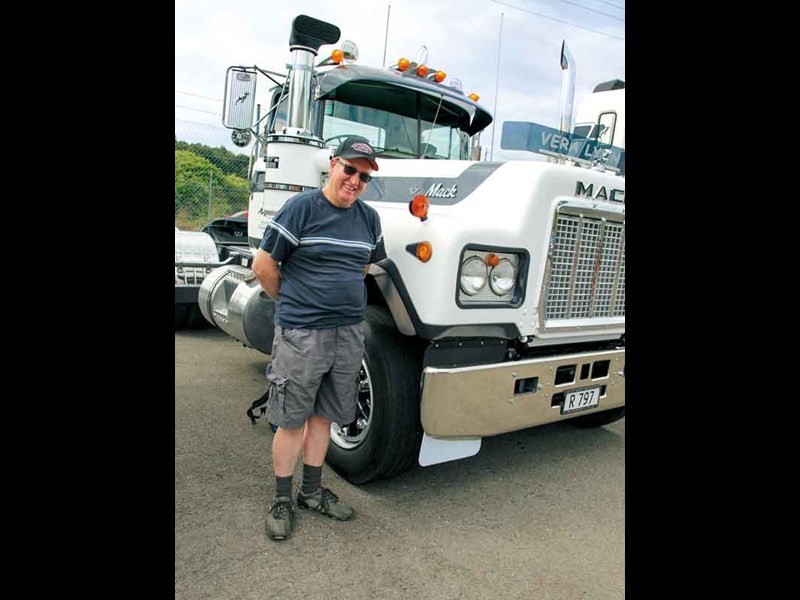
(576,400)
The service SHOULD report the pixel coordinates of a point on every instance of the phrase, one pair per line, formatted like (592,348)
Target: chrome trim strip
(291,139)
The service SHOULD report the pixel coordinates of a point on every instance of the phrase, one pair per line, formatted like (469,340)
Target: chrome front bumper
(486,400)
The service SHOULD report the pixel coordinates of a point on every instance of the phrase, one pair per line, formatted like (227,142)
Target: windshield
(392,135)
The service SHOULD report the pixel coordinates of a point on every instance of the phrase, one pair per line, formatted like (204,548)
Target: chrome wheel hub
(352,435)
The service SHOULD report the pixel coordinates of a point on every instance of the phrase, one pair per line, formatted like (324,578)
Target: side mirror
(240,98)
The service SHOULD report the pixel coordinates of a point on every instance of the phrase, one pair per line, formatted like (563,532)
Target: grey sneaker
(326,502)
(280,518)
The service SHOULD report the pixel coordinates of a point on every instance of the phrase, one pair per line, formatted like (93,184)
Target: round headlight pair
(475,274)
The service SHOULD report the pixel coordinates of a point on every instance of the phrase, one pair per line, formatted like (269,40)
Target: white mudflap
(436,450)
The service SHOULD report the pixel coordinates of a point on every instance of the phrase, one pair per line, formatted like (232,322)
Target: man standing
(312,261)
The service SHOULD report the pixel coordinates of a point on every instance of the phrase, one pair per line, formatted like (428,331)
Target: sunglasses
(350,171)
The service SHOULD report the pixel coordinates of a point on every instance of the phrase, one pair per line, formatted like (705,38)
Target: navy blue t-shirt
(323,251)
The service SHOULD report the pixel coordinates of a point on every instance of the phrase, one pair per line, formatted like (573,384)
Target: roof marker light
(337,56)
(439,76)
(474,97)
(403,64)
(422,70)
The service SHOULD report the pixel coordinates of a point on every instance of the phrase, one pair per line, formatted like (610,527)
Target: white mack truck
(501,305)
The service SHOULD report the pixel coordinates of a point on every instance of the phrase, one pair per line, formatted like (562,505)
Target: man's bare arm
(266,271)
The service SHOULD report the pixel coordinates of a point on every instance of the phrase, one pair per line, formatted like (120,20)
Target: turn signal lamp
(337,56)
(424,251)
(419,206)
(403,64)
(422,70)
(439,76)
(492,260)
(474,97)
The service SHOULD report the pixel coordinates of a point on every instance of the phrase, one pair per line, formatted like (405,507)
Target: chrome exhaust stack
(567,88)
(307,36)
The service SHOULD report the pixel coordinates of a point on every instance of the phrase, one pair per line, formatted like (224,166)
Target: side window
(606,128)
(441,142)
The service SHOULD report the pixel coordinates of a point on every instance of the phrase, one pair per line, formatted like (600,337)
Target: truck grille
(587,269)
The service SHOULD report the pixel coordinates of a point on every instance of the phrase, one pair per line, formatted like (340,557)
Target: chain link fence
(210,179)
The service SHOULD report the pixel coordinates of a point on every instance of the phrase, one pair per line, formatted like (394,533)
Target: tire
(598,419)
(181,316)
(188,316)
(379,315)
(196,318)
(387,440)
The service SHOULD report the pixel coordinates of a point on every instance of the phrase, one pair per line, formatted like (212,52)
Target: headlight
(473,275)
(504,269)
(502,277)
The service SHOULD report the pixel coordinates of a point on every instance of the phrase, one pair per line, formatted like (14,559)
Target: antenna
(385,39)
(496,83)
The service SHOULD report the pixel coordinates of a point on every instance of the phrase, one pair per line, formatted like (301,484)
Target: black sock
(312,477)
(283,486)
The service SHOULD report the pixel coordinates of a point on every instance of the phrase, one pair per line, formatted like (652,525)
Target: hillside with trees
(209,183)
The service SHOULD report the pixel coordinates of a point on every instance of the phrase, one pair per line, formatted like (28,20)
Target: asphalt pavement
(536,514)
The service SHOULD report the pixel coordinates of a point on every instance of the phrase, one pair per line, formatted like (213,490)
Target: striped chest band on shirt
(309,241)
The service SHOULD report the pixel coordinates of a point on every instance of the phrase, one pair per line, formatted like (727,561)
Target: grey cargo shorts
(314,372)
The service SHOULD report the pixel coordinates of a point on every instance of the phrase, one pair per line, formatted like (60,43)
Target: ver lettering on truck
(556,142)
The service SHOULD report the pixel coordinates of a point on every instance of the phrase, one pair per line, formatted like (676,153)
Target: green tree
(202,187)
(228,162)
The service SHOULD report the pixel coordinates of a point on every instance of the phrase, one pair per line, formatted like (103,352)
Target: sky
(468,39)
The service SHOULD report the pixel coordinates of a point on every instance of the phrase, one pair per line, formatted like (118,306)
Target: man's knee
(319,421)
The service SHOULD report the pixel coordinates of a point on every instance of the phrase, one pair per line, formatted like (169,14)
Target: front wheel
(384,439)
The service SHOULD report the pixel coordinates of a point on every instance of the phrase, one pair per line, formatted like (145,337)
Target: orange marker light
(474,97)
(419,206)
(403,64)
(337,56)
(439,76)
(492,260)
(422,70)
(424,251)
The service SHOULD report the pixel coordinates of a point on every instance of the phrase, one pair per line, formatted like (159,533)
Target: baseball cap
(356,146)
